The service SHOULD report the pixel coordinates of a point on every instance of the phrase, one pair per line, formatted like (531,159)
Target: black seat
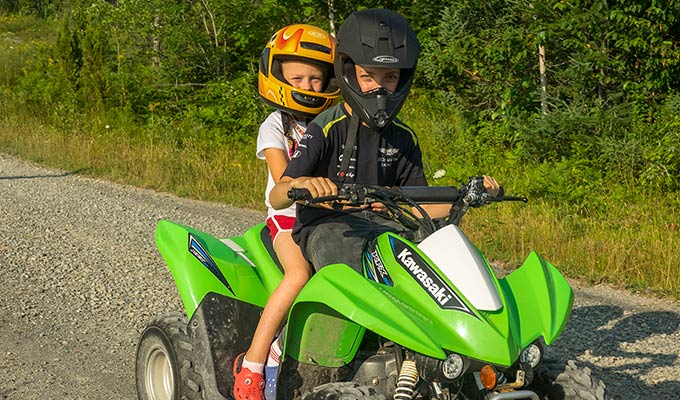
(266,238)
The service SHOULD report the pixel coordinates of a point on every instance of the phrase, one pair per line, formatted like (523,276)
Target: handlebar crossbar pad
(431,194)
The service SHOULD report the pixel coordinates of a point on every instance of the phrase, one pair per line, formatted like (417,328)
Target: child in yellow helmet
(295,77)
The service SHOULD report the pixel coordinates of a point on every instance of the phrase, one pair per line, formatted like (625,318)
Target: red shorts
(279,223)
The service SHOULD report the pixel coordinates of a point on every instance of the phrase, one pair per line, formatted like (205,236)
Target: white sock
(258,368)
(274,354)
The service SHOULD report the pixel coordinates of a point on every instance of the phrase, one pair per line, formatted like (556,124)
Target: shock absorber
(406,383)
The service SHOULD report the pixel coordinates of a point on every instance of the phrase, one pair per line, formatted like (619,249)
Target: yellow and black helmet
(298,42)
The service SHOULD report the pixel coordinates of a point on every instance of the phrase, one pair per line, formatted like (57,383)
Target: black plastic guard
(221,328)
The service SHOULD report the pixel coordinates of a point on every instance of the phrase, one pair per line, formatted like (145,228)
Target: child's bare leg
(297,273)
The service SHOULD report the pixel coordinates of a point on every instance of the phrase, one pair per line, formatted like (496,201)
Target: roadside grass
(636,246)
(228,174)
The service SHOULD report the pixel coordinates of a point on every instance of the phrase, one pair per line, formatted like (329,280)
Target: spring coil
(406,383)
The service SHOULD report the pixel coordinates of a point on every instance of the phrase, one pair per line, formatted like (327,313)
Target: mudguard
(329,333)
(542,298)
(201,264)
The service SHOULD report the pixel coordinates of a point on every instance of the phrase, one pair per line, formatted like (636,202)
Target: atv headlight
(532,355)
(452,367)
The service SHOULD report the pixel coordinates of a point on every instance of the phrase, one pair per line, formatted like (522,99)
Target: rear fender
(201,264)
(542,298)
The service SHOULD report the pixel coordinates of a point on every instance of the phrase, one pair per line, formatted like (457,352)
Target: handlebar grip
(299,194)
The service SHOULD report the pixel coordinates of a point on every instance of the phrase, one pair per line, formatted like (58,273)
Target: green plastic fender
(540,297)
(202,264)
(329,334)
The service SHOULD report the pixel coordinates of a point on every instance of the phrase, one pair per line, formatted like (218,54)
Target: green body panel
(333,311)
(404,314)
(269,272)
(194,280)
(540,297)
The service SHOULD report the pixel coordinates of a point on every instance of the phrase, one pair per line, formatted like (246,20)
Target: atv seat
(269,245)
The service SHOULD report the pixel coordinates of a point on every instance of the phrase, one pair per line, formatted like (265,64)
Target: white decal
(387,59)
(441,294)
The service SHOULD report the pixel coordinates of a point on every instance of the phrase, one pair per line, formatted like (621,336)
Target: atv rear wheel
(343,391)
(557,380)
(164,361)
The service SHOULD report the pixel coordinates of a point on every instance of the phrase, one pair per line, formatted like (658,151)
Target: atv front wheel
(343,391)
(164,358)
(557,380)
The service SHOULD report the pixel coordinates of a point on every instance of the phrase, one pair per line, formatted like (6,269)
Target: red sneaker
(248,385)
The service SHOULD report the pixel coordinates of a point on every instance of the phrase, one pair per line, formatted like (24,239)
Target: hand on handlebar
(316,186)
(319,191)
(375,207)
(492,187)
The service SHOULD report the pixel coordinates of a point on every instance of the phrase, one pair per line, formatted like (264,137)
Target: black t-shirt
(386,157)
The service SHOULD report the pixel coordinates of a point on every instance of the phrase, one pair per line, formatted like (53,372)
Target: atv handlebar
(471,194)
(356,194)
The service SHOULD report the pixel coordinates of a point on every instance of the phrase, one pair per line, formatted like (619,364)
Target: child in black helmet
(360,140)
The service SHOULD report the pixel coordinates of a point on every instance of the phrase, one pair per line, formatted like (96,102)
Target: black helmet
(375,37)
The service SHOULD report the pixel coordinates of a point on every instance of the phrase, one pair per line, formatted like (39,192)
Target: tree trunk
(543,89)
(331,17)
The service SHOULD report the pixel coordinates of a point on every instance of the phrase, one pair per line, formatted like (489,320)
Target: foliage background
(163,94)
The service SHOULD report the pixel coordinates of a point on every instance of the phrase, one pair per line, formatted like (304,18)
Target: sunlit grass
(636,246)
(229,174)
(21,38)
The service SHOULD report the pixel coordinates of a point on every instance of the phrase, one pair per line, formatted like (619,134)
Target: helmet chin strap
(381,116)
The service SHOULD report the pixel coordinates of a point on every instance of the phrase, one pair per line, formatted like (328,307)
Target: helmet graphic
(375,38)
(303,43)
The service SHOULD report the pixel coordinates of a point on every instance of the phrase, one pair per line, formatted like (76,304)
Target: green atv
(428,319)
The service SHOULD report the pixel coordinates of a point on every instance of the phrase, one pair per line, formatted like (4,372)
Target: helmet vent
(315,46)
(308,101)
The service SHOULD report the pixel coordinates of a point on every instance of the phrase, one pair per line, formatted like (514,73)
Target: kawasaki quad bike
(428,319)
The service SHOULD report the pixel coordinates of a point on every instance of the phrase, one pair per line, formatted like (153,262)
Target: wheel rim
(159,376)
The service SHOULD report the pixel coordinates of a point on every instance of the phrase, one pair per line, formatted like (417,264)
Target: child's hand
(492,187)
(378,207)
(375,207)
(317,186)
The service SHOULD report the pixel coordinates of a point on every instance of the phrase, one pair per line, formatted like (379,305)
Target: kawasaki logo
(428,278)
(441,294)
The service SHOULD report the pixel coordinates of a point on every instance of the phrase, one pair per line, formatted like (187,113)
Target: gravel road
(80,277)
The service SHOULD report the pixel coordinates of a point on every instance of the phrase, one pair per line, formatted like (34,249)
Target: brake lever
(475,199)
(509,198)
(323,199)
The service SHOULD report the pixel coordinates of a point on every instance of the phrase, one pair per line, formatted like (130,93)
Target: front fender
(329,333)
(541,297)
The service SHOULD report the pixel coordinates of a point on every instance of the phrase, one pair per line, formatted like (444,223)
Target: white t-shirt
(271,135)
